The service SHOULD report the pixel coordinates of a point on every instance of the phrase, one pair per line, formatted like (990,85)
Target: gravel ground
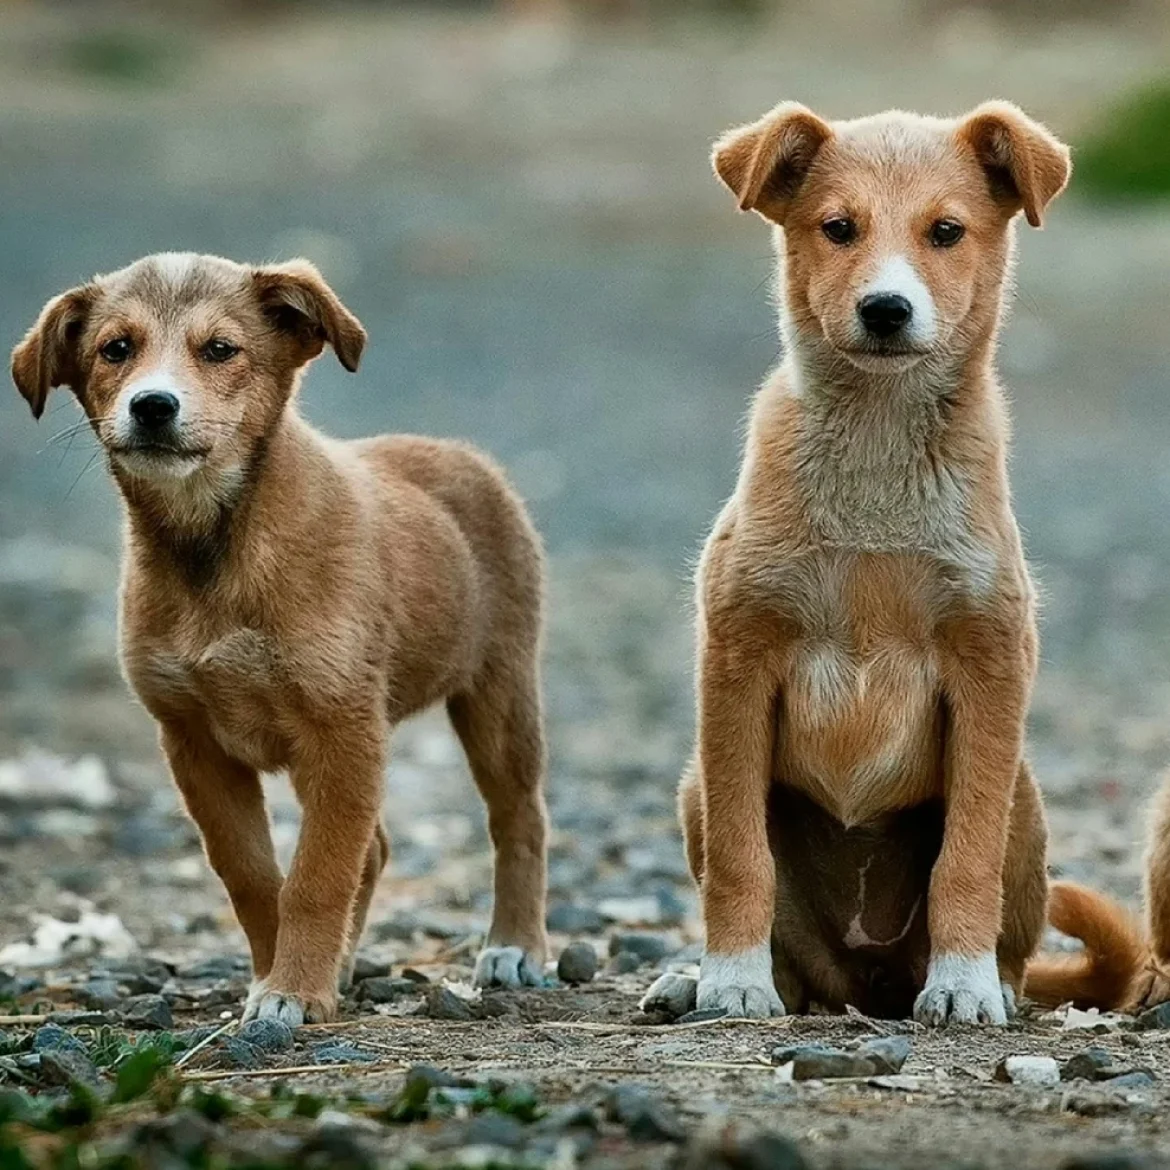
(489,198)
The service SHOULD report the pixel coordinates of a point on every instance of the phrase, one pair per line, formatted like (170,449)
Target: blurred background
(516,200)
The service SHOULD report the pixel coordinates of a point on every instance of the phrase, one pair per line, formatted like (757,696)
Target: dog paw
(961,989)
(740,984)
(507,967)
(264,1003)
(673,994)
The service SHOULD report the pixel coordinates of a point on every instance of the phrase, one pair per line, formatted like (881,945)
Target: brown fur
(1122,966)
(287,599)
(866,633)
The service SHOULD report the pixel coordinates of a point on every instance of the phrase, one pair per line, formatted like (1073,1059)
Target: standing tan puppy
(859,815)
(287,599)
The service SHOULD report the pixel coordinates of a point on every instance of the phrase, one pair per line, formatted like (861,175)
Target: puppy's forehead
(898,157)
(172,283)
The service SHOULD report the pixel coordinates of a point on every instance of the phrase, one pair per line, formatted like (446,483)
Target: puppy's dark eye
(117,351)
(945,232)
(218,350)
(841,230)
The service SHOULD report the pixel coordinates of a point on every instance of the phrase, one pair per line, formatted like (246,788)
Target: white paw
(671,993)
(740,984)
(293,1010)
(507,967)
(961,989)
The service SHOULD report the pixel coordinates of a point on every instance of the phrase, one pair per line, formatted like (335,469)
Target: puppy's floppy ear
(1026,166)
(47,357)
(764,163)
(301,305)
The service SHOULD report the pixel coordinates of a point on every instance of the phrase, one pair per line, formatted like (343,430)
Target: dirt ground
(522,215)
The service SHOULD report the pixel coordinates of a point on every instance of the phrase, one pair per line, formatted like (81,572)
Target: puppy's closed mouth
(160,450)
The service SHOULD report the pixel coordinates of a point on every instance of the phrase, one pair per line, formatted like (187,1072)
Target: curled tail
(1106,973)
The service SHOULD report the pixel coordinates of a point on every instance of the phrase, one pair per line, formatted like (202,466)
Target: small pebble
(99,994)
(386,989)
(267,1035)
(644,1116)
(1137,1079)
(578,963)
(147,1012)
(365,967)
(67,1066)
(237,1053)
(1034,1072)
(51,1038)
(650,948)
(1157,1018)
(566,918)
(443,1004)
(1093,1064)
(700,1017)
(341,1053)
(623,963)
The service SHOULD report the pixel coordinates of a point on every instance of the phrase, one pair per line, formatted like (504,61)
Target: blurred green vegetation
(123,55)
(1127,156)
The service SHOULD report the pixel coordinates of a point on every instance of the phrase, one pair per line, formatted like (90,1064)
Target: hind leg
(1155,984)
(499,723)
(1025,886)
(673,992)
(377,855)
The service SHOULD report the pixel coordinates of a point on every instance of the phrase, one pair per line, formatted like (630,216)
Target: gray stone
(1033,1072)
(267,1035)
(495,1129)
(644,1116)
(701,1017)
(185,1135)
(237,1053)
(881,1056)
(578,963)
(650,948)
(147,1012)
(567,918)
(1137,1079)
(386,989)
(567,1117)
(1157,1018)
(443,1004)
(98,993)
(623,963)
(341,1053)
(405,926)
(218,967)
(888,1053)
(1093,1064)
(365,967)
(764,1151)
(66,1066)
(51,1038)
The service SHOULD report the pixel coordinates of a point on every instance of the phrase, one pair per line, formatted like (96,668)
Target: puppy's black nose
(154,408)
(883,314)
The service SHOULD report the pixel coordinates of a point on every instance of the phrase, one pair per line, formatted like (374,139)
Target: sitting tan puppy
(288,598)
(859,815)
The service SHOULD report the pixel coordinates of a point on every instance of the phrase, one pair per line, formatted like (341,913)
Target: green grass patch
(123,56)
(1126,158)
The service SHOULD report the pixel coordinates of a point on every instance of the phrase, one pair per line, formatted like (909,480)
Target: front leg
(226,801)
(338,780)
(987,669)
(737,702)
